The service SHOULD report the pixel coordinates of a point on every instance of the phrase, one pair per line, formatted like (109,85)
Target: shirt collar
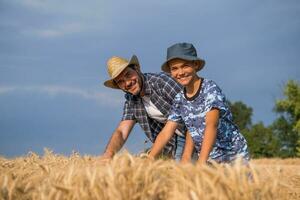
(146,84)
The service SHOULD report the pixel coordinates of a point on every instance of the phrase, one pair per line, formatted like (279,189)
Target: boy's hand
(185,160)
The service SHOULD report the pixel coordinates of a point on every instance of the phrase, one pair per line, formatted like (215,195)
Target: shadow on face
(130,80)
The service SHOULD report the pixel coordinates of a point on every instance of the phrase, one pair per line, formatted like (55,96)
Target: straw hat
(115,65)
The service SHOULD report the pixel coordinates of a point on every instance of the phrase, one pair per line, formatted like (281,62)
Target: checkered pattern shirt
(161,89)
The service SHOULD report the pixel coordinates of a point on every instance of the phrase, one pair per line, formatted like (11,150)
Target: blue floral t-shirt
(229,141)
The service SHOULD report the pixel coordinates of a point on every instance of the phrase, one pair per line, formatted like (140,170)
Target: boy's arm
(162,139)
(188,148)
(210,134)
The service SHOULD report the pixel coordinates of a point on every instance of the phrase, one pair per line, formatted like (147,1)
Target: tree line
(282,137)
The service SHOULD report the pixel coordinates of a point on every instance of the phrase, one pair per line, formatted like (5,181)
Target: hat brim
(133,61)
(165,67)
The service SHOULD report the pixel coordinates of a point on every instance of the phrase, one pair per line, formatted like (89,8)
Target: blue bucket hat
(184,51)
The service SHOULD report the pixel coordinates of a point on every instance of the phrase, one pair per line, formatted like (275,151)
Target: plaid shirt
(161,89)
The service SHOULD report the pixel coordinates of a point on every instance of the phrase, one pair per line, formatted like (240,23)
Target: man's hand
(117,140)
(104,158)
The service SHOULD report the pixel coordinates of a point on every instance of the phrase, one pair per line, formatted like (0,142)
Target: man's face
(183,71)
(129,81)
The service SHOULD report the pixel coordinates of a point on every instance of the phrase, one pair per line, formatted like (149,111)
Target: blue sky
(53,62)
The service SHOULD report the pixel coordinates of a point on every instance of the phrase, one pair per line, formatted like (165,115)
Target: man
(148,99)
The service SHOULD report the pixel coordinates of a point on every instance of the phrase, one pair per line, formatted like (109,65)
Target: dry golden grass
(128,177)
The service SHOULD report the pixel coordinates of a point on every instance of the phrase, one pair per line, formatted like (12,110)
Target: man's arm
(210,134)
(188,148)
(162,139)
(118,138)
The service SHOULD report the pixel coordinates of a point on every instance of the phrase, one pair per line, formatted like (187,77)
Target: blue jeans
(180,147)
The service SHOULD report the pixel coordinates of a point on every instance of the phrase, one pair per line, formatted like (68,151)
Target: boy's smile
(184,72)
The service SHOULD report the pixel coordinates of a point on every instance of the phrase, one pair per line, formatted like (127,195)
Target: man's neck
(142,92)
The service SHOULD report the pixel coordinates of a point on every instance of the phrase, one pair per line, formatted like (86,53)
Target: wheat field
(54,176)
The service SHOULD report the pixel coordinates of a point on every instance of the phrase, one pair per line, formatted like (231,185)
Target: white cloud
(56,18)
(34,3)
(58,31)
(4,90)
(104,98)
(82,9)
(47,33)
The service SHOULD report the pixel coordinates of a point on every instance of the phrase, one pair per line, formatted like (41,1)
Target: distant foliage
(282,137)
(261,140)
(241,114)
(287,126)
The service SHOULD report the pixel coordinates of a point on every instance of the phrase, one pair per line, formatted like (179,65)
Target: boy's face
(129,81)
(183,71)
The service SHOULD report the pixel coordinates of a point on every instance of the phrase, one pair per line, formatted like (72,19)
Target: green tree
(287,126)
(261,140)
(284,132)
(241,114)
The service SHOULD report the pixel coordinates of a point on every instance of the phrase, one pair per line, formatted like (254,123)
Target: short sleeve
(128,111)
(215,98)
(175,110)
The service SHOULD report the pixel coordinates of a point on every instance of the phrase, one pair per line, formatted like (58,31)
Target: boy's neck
(193,87)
